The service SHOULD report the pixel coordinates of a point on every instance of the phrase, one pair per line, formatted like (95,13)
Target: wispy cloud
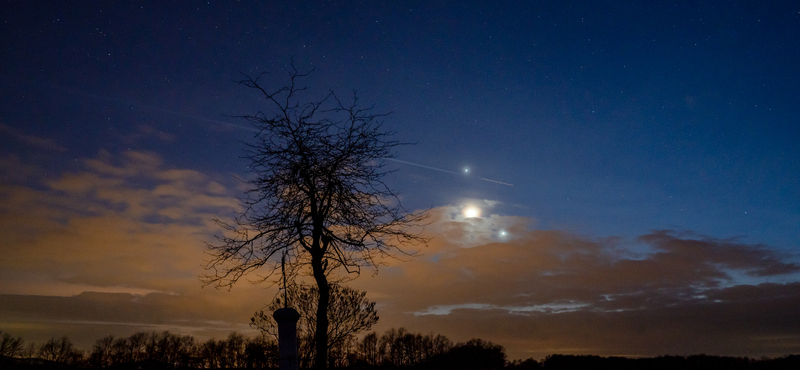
(551,289)
(131,229)
(33,140)
(124,221)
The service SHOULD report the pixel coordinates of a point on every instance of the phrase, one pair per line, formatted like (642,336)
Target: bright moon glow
(472,211)
(466,170)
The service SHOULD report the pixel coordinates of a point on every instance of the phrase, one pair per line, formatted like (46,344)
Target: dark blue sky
(610,118)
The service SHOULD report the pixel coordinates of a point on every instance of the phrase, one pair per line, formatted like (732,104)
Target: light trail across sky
(439,169)
(497,182)
(132,104)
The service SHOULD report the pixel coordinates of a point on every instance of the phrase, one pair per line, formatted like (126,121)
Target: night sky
(636,165)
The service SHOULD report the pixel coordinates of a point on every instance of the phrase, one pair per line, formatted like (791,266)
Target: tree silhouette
(370,353)
(396,348)
(102,352)
(58,350)
(10,346)
(349,313)
(476,353)
(400,348)
(317,199)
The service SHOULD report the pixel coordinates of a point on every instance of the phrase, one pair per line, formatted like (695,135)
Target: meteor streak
(419,165)
(499,182)
(439,169)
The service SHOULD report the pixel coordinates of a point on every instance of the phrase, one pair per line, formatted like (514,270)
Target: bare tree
(370,353)
(102,352)
(349,313)
(58,350)
(400,348)
(10,346)
(317,199)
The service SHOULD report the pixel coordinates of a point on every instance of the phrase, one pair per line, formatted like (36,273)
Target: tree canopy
(349,313)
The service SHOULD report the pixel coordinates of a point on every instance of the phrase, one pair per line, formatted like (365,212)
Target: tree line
(693,362)
(164,348)
(395,348)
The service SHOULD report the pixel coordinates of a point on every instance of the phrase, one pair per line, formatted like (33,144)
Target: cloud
(90,315)
(125,221)
(547,291)
(450,223)
(713,253)
(117,247)
(741,326)
(32,140)
(113,248)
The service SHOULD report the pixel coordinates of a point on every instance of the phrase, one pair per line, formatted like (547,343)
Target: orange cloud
(546,292)
(121,223)
(128,229)
(131,230)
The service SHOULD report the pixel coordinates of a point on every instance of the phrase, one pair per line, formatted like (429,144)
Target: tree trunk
(321,336)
